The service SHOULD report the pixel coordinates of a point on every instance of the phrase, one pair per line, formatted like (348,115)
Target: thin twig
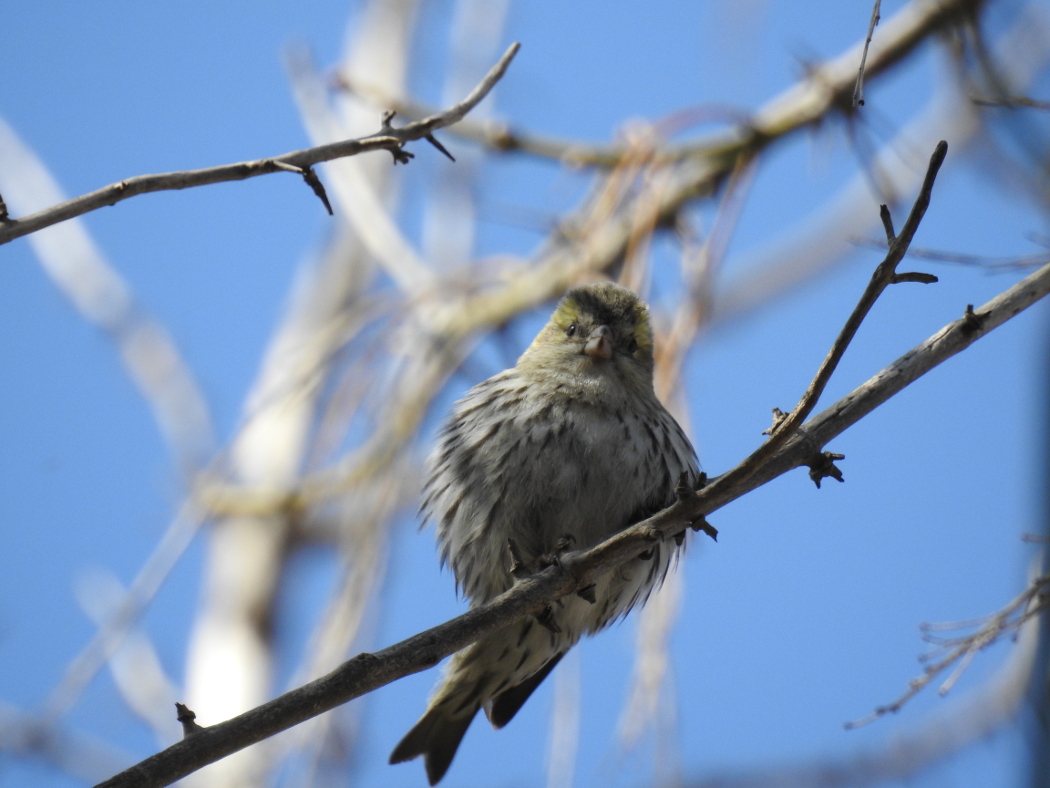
(367,672)
(937,739)
(999,263)
(858,91)
(885,275)
(992,629)
(504,138)
(311,180)
(390,139)
(581,247)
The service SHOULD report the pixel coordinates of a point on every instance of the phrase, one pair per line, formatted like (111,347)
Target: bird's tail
(497,673)
(436,737)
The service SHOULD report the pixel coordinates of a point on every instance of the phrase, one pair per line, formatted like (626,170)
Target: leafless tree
(328,446)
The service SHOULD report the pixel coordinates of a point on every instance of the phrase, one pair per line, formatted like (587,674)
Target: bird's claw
(701,524)
(546,619)
(553,558)
(518,570)
(587,592)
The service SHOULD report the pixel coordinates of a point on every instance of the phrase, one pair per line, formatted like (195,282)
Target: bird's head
(597,328)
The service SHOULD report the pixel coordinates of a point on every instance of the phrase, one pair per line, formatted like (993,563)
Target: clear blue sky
(805,613)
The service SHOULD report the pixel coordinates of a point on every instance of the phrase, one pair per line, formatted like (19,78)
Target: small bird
(567,448)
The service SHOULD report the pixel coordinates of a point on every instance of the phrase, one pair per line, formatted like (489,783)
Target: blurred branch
(356,198)
(1014,262)
(961,650)
(799,256)
(388,139)
(1037,692)
(827,86)
(564,738)
(231,656)
(104,644)
(135,666)
(367,672)
(572,254)
(597,237)
(502,137)
(77,267)
(1012,102)
(83,758)
(910,752)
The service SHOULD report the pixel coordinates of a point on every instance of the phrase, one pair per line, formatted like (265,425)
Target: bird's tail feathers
(436,737)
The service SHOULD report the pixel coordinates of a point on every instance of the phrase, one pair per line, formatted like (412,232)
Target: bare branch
(961,650)
(135,666)
(390,139)
(943,735)
(72,260)
(367,672)
(810,250)
(584,246)
(884,276)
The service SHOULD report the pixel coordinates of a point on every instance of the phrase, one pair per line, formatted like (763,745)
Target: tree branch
(884,276)
(593,240)
(960,651)
(905,755)
(389,138)
(367,672)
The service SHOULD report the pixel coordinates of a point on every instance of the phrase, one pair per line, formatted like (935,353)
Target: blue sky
(805,612)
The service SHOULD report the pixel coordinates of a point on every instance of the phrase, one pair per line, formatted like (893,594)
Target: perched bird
(568,447)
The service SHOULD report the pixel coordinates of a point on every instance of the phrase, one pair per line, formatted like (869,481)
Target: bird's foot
(546,618)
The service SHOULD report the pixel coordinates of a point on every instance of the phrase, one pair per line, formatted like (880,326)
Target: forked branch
(885,275)
(576,571)
(389,139)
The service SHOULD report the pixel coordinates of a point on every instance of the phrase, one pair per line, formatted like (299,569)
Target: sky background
(802,616)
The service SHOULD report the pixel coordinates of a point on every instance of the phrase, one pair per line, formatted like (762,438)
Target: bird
(564,449)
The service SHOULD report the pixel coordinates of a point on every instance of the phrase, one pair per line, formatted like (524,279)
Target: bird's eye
(571,331)
(631,345)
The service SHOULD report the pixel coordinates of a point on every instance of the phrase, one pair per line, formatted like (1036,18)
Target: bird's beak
(599,343)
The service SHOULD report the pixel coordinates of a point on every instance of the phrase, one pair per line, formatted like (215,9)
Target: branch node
(887,224)
(971,320)
(823,466)
(397,150)
(188,719)
(778,419)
